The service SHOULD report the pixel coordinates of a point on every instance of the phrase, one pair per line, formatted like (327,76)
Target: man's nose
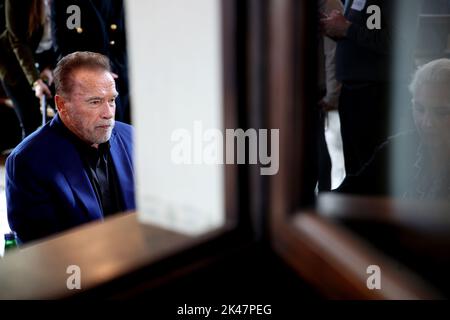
(429,120)
(108,111)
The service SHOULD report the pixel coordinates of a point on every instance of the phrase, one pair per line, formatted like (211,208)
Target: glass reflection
(394,115)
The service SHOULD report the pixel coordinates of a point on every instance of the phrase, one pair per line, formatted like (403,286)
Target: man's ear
(60,104)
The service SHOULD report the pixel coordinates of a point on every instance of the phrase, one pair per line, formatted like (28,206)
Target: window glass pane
(384,79)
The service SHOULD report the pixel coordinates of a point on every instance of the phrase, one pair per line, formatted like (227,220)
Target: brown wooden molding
(104,251)
(421,216)
(335,261)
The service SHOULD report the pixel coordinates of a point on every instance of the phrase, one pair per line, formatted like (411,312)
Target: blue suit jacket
(47,187)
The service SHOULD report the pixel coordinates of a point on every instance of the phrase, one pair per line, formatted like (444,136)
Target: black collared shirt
(101,172)
(103,177)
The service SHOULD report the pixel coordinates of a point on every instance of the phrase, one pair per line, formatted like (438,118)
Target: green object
(10,241)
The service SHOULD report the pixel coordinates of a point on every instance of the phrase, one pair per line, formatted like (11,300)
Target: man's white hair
(434,72)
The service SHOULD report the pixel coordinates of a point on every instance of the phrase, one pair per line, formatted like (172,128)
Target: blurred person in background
(329,90)
(27,58)
(10,133)
(363,59)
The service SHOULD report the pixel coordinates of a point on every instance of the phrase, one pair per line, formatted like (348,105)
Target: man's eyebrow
(93,98)
(115,95)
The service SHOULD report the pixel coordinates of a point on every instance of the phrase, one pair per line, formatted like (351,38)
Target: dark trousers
(317,158)
(364,115)
(10,133)
(25,103)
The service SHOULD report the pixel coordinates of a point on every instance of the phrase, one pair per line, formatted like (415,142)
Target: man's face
(88,110)
(431,111)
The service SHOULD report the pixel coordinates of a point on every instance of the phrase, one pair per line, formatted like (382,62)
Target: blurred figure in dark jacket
(2,16)
(102,30)
(363,58)
(27,58)
(329,90)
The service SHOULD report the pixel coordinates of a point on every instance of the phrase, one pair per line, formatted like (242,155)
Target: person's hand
(6,102)
(41,89)
(322,16)
(47,76)
(325,106)
(335,25)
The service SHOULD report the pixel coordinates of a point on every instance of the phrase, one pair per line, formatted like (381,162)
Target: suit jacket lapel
(81,185)
(73,169)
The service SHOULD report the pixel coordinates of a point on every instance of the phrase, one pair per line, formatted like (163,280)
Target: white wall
(175,71)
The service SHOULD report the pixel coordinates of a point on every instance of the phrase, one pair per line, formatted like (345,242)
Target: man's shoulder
(402,140)
(41,145)
(33,142)
(124,130)
(123,126)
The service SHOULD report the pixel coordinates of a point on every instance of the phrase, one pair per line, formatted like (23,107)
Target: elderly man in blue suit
(78,167)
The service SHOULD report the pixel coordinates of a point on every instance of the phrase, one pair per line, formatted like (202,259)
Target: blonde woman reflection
(421,159)
(431,112)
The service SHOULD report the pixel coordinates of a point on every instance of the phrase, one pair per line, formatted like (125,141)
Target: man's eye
(442,112)
(95,102)
(419,108)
